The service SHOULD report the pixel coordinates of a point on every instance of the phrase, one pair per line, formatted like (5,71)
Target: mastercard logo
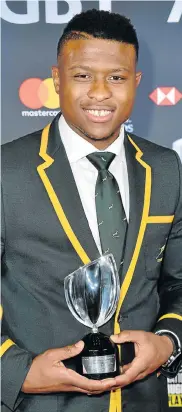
(35,93)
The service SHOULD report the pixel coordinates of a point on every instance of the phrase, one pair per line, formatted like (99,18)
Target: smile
(99,116)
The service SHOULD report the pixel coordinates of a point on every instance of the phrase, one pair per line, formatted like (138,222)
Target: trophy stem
(95,329)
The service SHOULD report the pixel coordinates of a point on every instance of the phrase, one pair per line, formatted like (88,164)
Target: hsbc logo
(51,11)
(166,96)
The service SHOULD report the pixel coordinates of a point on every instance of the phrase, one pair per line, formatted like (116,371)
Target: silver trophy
(92,293)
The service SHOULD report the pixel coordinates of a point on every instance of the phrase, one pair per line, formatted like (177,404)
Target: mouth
(99,115)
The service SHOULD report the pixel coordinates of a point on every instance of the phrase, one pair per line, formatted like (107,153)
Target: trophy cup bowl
(92,293)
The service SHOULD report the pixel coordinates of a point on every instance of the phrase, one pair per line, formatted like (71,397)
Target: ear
(55,76)
(138,78)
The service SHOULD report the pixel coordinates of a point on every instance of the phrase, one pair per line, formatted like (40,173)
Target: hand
(151,351)
(48,374)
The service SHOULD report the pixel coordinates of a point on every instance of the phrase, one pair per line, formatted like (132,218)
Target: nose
(99,90)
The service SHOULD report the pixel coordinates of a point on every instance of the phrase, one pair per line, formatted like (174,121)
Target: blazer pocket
(155,241)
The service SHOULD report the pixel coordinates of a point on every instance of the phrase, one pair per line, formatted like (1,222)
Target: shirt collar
(77,148)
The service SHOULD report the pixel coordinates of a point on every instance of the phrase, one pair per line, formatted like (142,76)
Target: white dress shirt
(85,174)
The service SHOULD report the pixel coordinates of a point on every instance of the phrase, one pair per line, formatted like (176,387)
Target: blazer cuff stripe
(170,316)
(160,219)
(5,346)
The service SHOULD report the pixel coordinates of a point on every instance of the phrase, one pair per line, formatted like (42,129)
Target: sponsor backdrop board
(30,32)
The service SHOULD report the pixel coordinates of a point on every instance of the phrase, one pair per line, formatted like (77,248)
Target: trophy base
(99,358)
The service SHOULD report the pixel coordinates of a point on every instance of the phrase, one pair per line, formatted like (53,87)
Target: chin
(99,134)
(99,138)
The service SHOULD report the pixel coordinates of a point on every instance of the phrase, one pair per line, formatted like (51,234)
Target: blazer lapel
(139,173)
(137,180)
(57,177)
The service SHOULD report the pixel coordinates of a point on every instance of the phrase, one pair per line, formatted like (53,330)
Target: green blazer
(46,236)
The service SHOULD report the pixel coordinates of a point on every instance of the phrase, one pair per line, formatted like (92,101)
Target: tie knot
(101,160)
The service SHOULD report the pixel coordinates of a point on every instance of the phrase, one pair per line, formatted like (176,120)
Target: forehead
(98,52)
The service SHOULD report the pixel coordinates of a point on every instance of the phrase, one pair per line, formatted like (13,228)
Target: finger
(130,375)
(126,367)
(65,352)
(70,388)
(116,388)
(94,393)
(138,378)
(89,385)
(141,376)
(126,336)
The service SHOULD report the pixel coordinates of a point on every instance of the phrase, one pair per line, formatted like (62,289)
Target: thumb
(71,350)
(125,336)
(59,354)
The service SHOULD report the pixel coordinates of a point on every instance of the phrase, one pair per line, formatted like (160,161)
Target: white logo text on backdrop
(51,11)
(176,12)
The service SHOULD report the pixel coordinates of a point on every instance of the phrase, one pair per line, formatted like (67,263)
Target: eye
(82,76)
(117,78)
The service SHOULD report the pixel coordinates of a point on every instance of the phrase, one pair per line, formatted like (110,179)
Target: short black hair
(100,24)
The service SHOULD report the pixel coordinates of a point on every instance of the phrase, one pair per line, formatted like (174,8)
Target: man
(56,219)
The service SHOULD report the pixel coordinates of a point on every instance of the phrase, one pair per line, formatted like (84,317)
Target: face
(96,81)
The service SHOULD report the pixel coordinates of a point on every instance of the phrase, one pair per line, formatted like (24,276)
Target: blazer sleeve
(170,285)
(15,361)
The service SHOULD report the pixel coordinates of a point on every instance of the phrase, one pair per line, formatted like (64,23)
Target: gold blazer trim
(171,316)
(54,199)
(143,224)
(160,219)
(5,346)
(114,399)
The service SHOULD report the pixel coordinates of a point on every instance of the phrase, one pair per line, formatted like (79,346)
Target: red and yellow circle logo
(35,93)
